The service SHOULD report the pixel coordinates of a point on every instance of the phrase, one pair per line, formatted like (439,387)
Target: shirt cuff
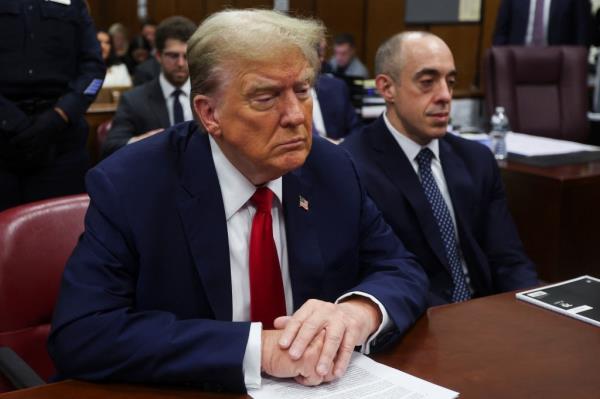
(386,323)
(251,364)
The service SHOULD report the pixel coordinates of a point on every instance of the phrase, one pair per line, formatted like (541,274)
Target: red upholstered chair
(35,241)
(101,134)
(543,89)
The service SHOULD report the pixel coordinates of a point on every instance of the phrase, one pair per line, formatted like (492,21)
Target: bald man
(441,194)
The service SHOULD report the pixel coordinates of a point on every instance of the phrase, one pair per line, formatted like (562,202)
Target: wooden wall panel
(463,40)
(192,9)
(303,8)
(253,3)
(488,24)
(342,16)
(106,12)
(370,21)
(384,19)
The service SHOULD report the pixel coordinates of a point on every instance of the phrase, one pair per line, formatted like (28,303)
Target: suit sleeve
(12,119)
(582,22)
(99,334)
(84,87)
(502,30)
(124,126)
(390,273)
(352,122)
(511,268)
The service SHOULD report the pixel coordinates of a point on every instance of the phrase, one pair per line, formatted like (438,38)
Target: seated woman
(117,74)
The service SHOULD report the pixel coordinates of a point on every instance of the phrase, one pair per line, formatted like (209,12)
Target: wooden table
(557,212)
(492,348)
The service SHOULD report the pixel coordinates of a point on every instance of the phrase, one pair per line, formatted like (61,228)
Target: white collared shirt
(236,191)
(184,98)
(411,149)
(318,122)
(529,33)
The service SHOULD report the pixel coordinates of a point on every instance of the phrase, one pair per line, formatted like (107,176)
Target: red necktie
(267,300)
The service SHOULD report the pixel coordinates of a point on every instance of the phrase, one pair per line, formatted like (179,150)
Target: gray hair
(247,35)
(388,59)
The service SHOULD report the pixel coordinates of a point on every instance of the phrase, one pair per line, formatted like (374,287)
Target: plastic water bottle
(500,127)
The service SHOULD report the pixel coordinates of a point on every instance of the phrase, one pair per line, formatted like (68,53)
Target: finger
(334,334)
(294,324)
(307,373)
(344,354)
(309,329)
(280,322)
(310,381)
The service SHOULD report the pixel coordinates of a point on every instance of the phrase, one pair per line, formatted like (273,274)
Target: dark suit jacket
(339,115)
(568,24)
(146,71)
(488,238)
(146,295)
(140,110)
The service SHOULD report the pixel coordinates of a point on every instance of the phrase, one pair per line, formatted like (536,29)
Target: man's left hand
(346,324)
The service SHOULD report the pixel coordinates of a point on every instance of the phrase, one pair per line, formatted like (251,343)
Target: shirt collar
(235,188)
(168,89)
(410,147)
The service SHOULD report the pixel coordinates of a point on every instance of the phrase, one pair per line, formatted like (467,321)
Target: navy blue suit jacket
(568,24)
(339,116)
(146,295)
(488,238)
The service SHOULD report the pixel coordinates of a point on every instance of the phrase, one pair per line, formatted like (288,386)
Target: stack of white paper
(364,379)
(527,145)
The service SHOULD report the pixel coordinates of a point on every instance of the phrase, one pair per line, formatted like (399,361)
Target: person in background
(138,52)
(334,115)
(148,32)
(147,70)
(44,94)
(442,194)
(162,102)
(344,61)
(117,74)
(543,22)
(217,251)
(120,40)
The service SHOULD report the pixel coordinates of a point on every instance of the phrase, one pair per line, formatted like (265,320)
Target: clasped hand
(315,344)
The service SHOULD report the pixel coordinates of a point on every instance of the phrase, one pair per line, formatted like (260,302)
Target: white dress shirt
(529,33)
(318,121)
(411,149)
(236,191)
(184,98)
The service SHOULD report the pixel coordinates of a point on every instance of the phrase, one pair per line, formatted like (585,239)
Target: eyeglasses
(173,56)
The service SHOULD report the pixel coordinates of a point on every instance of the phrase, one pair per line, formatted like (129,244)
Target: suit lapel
(158,105)
(304,254)
(399,170)
(203,217)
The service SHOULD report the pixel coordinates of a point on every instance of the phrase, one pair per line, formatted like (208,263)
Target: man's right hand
(278,363)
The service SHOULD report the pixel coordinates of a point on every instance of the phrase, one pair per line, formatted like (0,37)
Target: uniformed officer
(51,70)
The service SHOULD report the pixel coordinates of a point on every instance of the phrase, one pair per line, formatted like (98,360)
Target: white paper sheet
(364,379)
(524,144)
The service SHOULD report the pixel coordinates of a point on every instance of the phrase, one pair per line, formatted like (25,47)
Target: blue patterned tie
(441,213)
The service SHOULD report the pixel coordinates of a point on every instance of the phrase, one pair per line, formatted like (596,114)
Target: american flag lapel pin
(303,203)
